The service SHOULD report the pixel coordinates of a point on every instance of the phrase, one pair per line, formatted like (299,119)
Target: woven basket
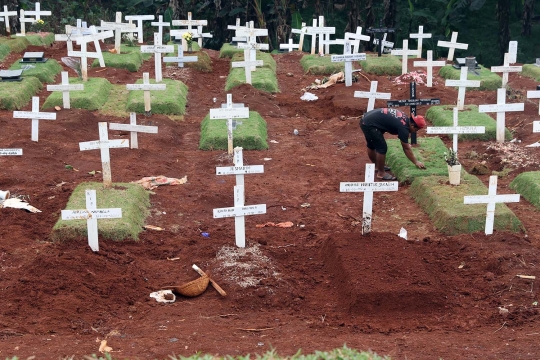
(192,288)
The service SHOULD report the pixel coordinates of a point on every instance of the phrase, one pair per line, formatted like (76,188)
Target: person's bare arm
(407,149)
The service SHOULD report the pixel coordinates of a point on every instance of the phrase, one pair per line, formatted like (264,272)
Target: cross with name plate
(38,13)
(368,187)
(134,129)
(456,130)
(501,108)
(65,88)
(240,210)
(506,69)
(377,34)
(229,113)
(462,85)
(452,45)
(189,23)
(157,49)
(372,94)
(35,115)
(147,87)
(348,57)
(91,214)
(429,63)
(180,59)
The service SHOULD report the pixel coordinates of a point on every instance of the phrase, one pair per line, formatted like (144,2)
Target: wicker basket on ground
(192,288)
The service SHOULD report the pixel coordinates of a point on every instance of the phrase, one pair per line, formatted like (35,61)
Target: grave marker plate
(240,211)
(33,57)
(11,152)
(11,75)
(237,170)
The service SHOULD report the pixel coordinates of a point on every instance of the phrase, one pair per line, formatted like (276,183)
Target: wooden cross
(84,54)
(118,27)
(322,32)
(377,32)
(190,23)
(348,58)
(38,13)
(104,144)
(91,214)
(180,59)
(139,28)
(372,95)
(239,211)
(70,35)
(501,108)
(157,49)
(178,33)
(23,20)
(312,34)
(251,35)
(404,53)
(420,36)
(368,187)
(491,199)
(147,87)
(429,64)
(302,32)
(35,116)
(5,16)
(133,128)
(247,64)
(289,46)
(65,88)
(356,38)
(384,43)
(506,69)
(456,130)
(160,24)
(534,94)
(229,112)
(452,45)
(462,84)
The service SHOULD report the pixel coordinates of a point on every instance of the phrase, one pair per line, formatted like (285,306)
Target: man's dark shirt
(389,120)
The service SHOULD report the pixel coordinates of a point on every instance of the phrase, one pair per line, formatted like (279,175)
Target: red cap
(419,121)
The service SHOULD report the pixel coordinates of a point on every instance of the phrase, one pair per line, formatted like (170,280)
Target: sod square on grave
(528,185)
(133,199)
(531,71)
(34,57)
(46,72)
(320,65)
(15,95)
(488,79)
(383,65)
(170,102)
(130,59)
(95,93)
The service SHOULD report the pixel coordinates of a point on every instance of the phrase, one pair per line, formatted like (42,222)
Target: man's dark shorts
(374,138)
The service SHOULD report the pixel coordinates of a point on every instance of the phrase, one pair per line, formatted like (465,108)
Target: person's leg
(372,155)
(379,164)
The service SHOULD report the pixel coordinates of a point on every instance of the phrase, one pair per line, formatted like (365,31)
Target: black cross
(378,34)
(413,102)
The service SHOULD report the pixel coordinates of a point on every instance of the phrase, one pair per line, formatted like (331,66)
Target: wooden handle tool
(214,284)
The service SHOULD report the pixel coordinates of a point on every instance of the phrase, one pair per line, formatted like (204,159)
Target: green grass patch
(130,58)
(131,198)
(430,151)
(14,95)
(118,95)
(383,65)
(38,40)
(488,80)
(16,44)
(528,185)
(532,71)
(443,115)
(227,51)
(263,79)
(320,65)
(250,135)
(4,51)
(95,94)
(171,101)
(444,205)
(46,72)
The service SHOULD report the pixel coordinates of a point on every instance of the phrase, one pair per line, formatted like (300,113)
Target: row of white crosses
(118,27)
(37,13)
(157,49)
(323,33)
(190,24)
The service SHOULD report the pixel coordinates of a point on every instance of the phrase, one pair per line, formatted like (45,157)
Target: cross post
(35,116)
(180,59)
(5,15)
(462,85)
(404,53)
(65,88)
(139,28)
(356,38)
(229,113)
(147,87)
(348,58)
(157,49)
(247,64)
(501,108)
(134,129)
(372,95)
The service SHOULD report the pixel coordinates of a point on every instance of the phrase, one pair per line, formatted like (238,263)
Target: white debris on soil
(514,154)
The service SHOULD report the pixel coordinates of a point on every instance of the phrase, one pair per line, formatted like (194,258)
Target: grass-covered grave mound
(381,65)
(531,71)
(250,135)
(430,151)
(488,80)
(203,63)
(320,65)
(95,94)
(264,78)
(130,58)
(443,115)
(14,95)
(4,51)
(40,39)
(444,205)
(16,43)
(528,185)
(171,101)
(227,51)
(46,72)
(133,199)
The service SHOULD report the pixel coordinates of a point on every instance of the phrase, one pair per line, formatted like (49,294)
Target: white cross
(92,214)
(312,31)
(104,144)
(348,58)
(456,130)
(251,34)
(157,49)
(70,35)
(178,33)
(404,53)
(239,211)
(420,36)
(118,27)
(84,54)
(35,116)
(429,64)
(534,94)
(160,24)
(501,108)
(452,45)
(325,34)
(146,87)
(247,64)
(512,52)
(180,59)
(65,88)
(5,15)
(302,32)
(229,112)
(356,37)
(372,95)
(38,13)
(506,69)
(368,187)
(462,84)
(23,20)
(289,46)
(133,128)
(139,28)
(190,23)
(384,43)
(491,199)
(200,35)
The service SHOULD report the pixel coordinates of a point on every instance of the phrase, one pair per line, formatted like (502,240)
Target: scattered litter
(152,182)
(305,205)
(536,144)
(295,132)
(69,167)
(173,259)
(283,208)
(462,265)
(191,289)
(529,277)
(274,142)
(17,203)
(214,284)
(403,233)
(503,311)
(267,159)
(60,184)
(308,97)
(4,194)
(286,224)
(103,348)
(164,296)
(57,108)
(205,234)
(93,172)
(419,77)
(513,155)
(152,227)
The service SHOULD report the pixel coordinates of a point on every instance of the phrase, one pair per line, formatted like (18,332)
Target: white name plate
(113,213)
(229,113)
(320,30)
(506,68)
(536,126)
(248,46)
(240,211)
(157,48)
(501,107)
(372,94)
(239,170)
(456,130)
(348,57)
(366,186)
(65,87)
(180,59)
(146,86)
(469,83)
(10,152)
(484,199)
(238,64)
(97,144)
(34,115)
(137,128)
